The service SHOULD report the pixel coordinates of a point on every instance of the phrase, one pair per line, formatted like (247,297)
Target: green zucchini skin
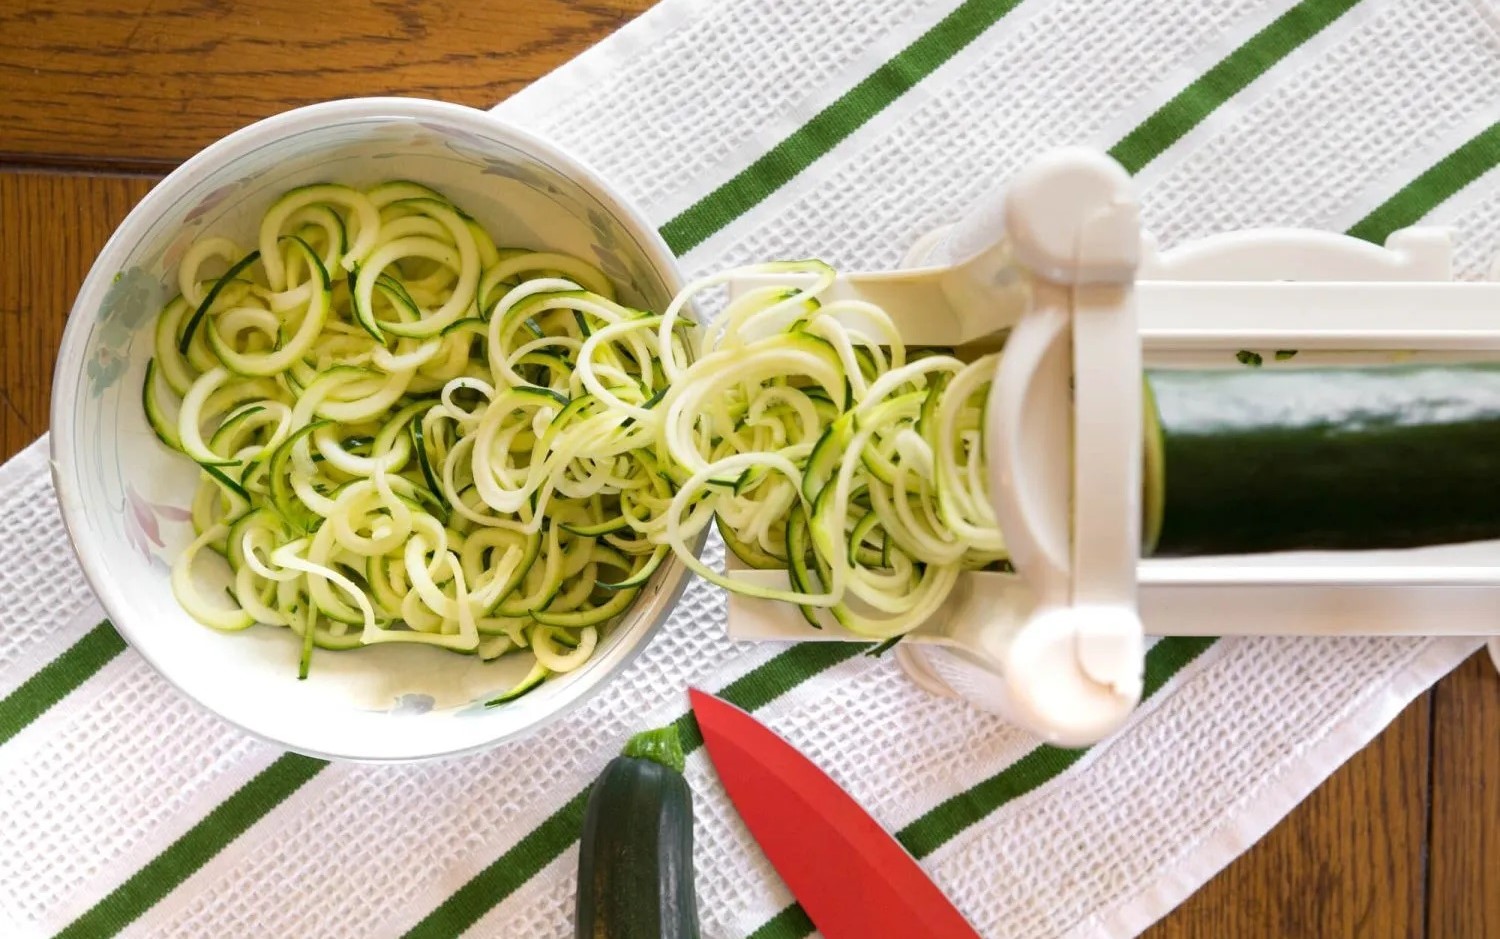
(1357,458)
(635,857)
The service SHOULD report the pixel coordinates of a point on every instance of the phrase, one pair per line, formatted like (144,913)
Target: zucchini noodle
(394,438)
(822,448)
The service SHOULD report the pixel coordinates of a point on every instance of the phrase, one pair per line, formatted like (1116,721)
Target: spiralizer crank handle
(1063,441)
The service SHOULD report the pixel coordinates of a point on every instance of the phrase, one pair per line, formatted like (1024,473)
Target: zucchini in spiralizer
(1254,460)
(818,444)
(395,440)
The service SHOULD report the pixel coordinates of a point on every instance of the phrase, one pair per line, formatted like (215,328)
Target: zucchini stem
(659,746)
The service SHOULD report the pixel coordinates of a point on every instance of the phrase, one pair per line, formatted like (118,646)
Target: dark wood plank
(52,225)
(141,82)
(1464,847)
(1346,862)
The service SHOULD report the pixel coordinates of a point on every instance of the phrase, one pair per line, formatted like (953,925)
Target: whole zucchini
(635,856)
(1253,460)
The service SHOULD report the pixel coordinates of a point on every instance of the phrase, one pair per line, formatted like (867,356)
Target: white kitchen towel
(842,129)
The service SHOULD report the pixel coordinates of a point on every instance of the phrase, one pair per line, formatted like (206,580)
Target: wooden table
(101,99)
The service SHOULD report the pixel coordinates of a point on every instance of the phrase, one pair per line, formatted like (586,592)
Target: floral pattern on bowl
(143,525)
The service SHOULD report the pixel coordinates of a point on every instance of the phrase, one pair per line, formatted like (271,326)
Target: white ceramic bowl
(124,496)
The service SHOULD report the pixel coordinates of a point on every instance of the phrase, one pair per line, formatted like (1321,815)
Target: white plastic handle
(1064,443)
(1028,443)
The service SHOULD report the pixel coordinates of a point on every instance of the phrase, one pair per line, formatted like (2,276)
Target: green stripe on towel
(1225,80)
(58,678)
(832,125)
(1458,169)
(229,819)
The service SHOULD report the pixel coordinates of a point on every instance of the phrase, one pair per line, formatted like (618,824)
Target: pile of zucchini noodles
(821,448)
(407,433)
(394,441)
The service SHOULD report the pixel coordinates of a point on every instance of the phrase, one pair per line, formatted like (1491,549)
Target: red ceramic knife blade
(852,878)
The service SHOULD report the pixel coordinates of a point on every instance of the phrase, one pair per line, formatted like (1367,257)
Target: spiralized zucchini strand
(823,448)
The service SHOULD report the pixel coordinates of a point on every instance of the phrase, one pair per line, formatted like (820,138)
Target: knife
(852,878)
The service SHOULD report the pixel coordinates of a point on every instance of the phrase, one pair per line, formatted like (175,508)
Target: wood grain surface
(1463,894)
(146,83)
(1402,841)
(52,225)
(1346,862)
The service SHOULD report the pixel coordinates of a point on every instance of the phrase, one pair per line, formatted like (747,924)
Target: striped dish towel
(842,129)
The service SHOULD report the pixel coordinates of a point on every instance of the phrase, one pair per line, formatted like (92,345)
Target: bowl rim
(91,559)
